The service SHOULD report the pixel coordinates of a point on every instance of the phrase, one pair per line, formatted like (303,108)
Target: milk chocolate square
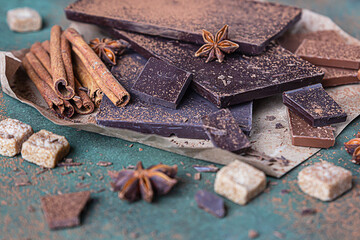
(161,83)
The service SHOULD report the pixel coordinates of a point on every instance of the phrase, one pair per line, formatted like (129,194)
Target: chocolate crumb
(208,168)
(270,118)
(70,164)
(279,126)
(22,183)
(188,174)
(253,234)
(89,174)
(308,211)
(30,208)
(197,176)
(67,173)
(81,177)
(131,145)
(285,191)
(104,164)
(42,171)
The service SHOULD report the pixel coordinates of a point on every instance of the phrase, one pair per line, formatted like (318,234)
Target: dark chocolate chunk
(314,105)
(211,203)
(239,79)
(330,54)
(139,116)
(252,24)
(224,132)
(64,210)
(161,83)
(302,134)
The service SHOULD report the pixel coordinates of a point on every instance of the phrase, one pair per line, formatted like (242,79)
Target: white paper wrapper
(281,157)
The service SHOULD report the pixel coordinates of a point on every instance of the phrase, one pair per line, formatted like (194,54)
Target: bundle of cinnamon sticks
(70,76)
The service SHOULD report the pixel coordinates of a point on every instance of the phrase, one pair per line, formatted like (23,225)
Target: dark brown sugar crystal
(252,24)
(239,78)
(154,119)
(314,105)
(162,83)
(224,132)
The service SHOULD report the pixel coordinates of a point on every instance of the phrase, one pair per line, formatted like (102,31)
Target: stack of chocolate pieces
(167,35)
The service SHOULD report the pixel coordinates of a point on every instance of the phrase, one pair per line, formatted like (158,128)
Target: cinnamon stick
(57,105)
(42,55)
(83,104)
(66,56)
(59,76)
(46,45)
(97,69)
(87,81)
(39,68)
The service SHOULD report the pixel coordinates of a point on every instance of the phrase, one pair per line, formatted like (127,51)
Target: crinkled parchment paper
(266,139)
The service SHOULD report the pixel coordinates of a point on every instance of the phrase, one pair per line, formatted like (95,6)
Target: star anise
(144,183)
(215,47)
(107,49)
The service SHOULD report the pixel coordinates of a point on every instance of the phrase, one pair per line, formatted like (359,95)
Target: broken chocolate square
(210,203)
(161,83)
(224,132)
(314,105)
(62,211)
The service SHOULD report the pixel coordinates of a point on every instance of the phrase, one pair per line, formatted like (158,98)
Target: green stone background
(176,215)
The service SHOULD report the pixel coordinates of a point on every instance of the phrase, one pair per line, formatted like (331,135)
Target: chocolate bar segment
(162,83)
(303,134)
(224,132)
(239,78)
(339,76)
(252,24)
(315,105)
(153,119)
(330,54)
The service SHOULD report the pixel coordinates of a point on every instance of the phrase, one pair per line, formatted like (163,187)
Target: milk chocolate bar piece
(13,134)
(239,182)
(237,80)
(252,24)
(45,149)
(63,211)
(224,132)
(304,135)
(324,181)
(153,119)
(339,76)
(314,105)
(330,54)
(162,83)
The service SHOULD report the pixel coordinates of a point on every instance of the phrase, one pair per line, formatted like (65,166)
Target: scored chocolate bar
(239,78)
(315,105)
(224,132)
(162,83)
(252,24)
(153,119)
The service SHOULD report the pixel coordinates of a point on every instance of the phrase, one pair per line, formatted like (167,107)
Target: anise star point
(107,49)
(215,47)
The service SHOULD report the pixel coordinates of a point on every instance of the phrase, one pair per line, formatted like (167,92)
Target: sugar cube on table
(239,182)
(324,181)
(23,20)
(13,134)
(45,149)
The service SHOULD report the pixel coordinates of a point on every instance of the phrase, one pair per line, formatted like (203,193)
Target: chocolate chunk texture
(62,211)
(154,119)
(13,134)
(239,78)
(252,24)
(210,203)
(314,105)
(305,135)
(161,83)
(224,132)
(324,181)
(239,182)
(339,76)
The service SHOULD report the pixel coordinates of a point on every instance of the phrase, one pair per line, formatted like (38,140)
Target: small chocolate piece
(315,105)
(208,168)
(253,24)
(330,54)
(238,79)
(210,203)
(64,210)
(138,116)
(303,134)
(339,76)
(224,132)
(161,83)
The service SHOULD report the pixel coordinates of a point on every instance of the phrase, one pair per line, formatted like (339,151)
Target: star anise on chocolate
(107,49)
(143,183)
(215,47)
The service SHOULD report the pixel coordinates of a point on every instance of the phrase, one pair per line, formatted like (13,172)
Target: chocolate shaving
(208,168)
(104,164)
(22,183)
(67,173)
(308,211)
(70,164)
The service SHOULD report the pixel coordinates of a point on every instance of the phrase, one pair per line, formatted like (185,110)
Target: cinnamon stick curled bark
(42,55)
(83,104)
(59,55)
(97,69)
(57,105)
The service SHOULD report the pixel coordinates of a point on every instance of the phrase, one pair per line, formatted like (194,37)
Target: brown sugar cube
(239,182)
(13,134)
(324,181)
(45,149)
